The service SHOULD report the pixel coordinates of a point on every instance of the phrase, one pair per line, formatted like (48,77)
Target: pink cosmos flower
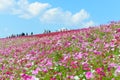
(71,77)
(66,56)
(86,66)
(118,30)
(78,56)
(26,77)
(3,67)
(73,37)
(89,75)
(112,45)
(35,72)
(34,78)
(113,65)
(85,54)
(49,63)
(112,79)
(52,78)
(97,40)
(117,71)
(8,73)
(106,45)
(67,44)
(97,52)
(100,71)
(58,43)
(11,77)
(45,70)
(29,65)
(33,52)
(73,64)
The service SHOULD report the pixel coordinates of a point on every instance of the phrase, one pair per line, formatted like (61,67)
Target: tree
(23,34)
(31,33)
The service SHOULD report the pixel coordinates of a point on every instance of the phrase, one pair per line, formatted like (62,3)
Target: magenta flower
(86,66)
(118,30)
(26,77)
(8,73)
(73,37)
(97,52)
(3,67)
(33,52)
(89,75)
(74,64)
(100,71)
(52,78)
(70,77)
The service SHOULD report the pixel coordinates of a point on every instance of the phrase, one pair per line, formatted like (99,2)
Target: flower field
(85,54)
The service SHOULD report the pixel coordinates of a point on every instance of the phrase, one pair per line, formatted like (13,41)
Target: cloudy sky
(35,16)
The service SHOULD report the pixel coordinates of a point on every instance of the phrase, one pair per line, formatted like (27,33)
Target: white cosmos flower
(76,78)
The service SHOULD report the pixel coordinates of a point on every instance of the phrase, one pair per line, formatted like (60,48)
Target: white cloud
(89,23)
(28,10)
(55,16)
(46,13)
(80,16)
(58,16)
(36,8)
(5,4)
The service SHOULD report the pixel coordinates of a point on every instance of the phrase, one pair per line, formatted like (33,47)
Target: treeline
(26,34)
(19,35)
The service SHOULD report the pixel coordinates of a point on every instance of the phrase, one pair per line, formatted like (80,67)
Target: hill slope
(89,53)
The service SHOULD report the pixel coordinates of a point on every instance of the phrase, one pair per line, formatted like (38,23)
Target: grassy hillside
(85,54)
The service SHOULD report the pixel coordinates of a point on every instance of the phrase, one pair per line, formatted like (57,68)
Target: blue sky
(35,16)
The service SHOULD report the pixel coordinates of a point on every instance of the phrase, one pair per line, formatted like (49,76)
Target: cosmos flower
(89,75)
(117,71)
